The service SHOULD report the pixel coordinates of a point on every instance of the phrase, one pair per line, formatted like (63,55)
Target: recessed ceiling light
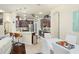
(2,11)
(36,16)
(40,12)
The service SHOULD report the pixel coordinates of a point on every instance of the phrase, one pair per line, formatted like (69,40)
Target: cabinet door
(27,38)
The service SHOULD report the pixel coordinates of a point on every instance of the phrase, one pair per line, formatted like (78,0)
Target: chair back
(11,34)
(17,35)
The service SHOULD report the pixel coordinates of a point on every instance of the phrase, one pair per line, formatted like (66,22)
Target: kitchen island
(27,37)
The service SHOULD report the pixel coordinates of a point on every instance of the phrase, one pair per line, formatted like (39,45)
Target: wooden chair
(17,37)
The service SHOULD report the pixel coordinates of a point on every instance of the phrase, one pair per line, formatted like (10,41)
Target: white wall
(54,22)
(7,22)
(65,24)
(66,21)
(13,22)
(1,30)
(9,19)
(2,27)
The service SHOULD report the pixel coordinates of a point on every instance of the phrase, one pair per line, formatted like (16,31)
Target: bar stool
(17,37)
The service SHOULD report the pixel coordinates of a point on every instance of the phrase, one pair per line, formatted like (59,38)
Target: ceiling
(31,8)
(28,8)
(34,9)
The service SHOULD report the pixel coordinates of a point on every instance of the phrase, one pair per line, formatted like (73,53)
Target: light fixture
(36,16)
(2,10)
(40,12)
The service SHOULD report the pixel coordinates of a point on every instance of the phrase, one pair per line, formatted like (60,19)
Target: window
(76,21)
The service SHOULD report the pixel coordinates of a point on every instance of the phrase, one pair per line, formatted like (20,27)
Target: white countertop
(27,32)
(52,41)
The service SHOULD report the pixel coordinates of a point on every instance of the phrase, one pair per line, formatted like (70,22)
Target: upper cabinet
(24,25)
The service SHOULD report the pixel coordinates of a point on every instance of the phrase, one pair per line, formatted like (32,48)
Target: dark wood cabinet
(18,49)
(34,38)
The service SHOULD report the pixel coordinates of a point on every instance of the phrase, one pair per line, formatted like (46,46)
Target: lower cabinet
(29,38)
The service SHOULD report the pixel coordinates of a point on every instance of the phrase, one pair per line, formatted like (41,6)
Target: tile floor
(33,49)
